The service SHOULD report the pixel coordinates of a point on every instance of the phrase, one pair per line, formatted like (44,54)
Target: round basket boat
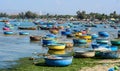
(8,32)
(115,42)
(102,41)
(70,36)
(51,36)
(35,38)
(54,31)
(65,32)
(57,46)
(78,34)
(6,28)
(23,33)
(95,45)
(58,60)
(112,48)
(109,54)
(118,35)
(104,47)
(79,41)
(85,37)
(47,41)
(103,34)
(94,36)
(86,54)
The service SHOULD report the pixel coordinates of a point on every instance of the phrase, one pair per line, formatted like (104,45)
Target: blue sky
(60,6)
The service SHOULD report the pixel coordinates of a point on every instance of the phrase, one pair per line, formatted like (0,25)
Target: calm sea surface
(15,46)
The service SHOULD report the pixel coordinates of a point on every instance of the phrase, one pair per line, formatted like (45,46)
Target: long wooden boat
(27,28)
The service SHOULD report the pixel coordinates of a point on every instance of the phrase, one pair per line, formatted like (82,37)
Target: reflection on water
(57,52)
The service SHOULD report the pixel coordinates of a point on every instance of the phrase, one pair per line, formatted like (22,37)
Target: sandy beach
(104,65)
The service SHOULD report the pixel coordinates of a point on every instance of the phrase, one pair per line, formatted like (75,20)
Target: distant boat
(35,38)
(27,28)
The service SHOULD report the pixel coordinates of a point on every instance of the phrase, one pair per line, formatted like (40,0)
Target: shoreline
(78,64)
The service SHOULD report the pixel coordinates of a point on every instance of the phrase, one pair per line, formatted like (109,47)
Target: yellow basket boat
(57,46)
(85,37)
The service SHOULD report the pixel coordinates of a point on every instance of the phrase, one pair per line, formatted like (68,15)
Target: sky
(60,6)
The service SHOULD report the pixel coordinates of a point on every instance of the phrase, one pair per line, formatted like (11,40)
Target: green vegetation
(92,16)
(80,15)
(25,64)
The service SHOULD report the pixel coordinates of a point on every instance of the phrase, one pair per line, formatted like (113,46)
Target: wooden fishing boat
(54,31)
(27,28)
(58,60)
(86,54)
(35,38)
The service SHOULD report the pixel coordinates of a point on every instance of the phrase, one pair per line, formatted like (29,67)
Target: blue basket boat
(58,60)
(115,42)
(112,48)
(51,35)
(94,36)
(102,41)
(8,33)
(105,46)
(66,32)
(103,34)
(47,41)
(110,54)
(79,41)
(95,45)
(23,33)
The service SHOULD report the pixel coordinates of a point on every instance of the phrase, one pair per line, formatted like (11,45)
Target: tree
(3,15)
(21,15)
(29,14)
(81,15)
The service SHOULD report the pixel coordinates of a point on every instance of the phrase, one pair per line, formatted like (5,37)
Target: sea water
(15,46)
